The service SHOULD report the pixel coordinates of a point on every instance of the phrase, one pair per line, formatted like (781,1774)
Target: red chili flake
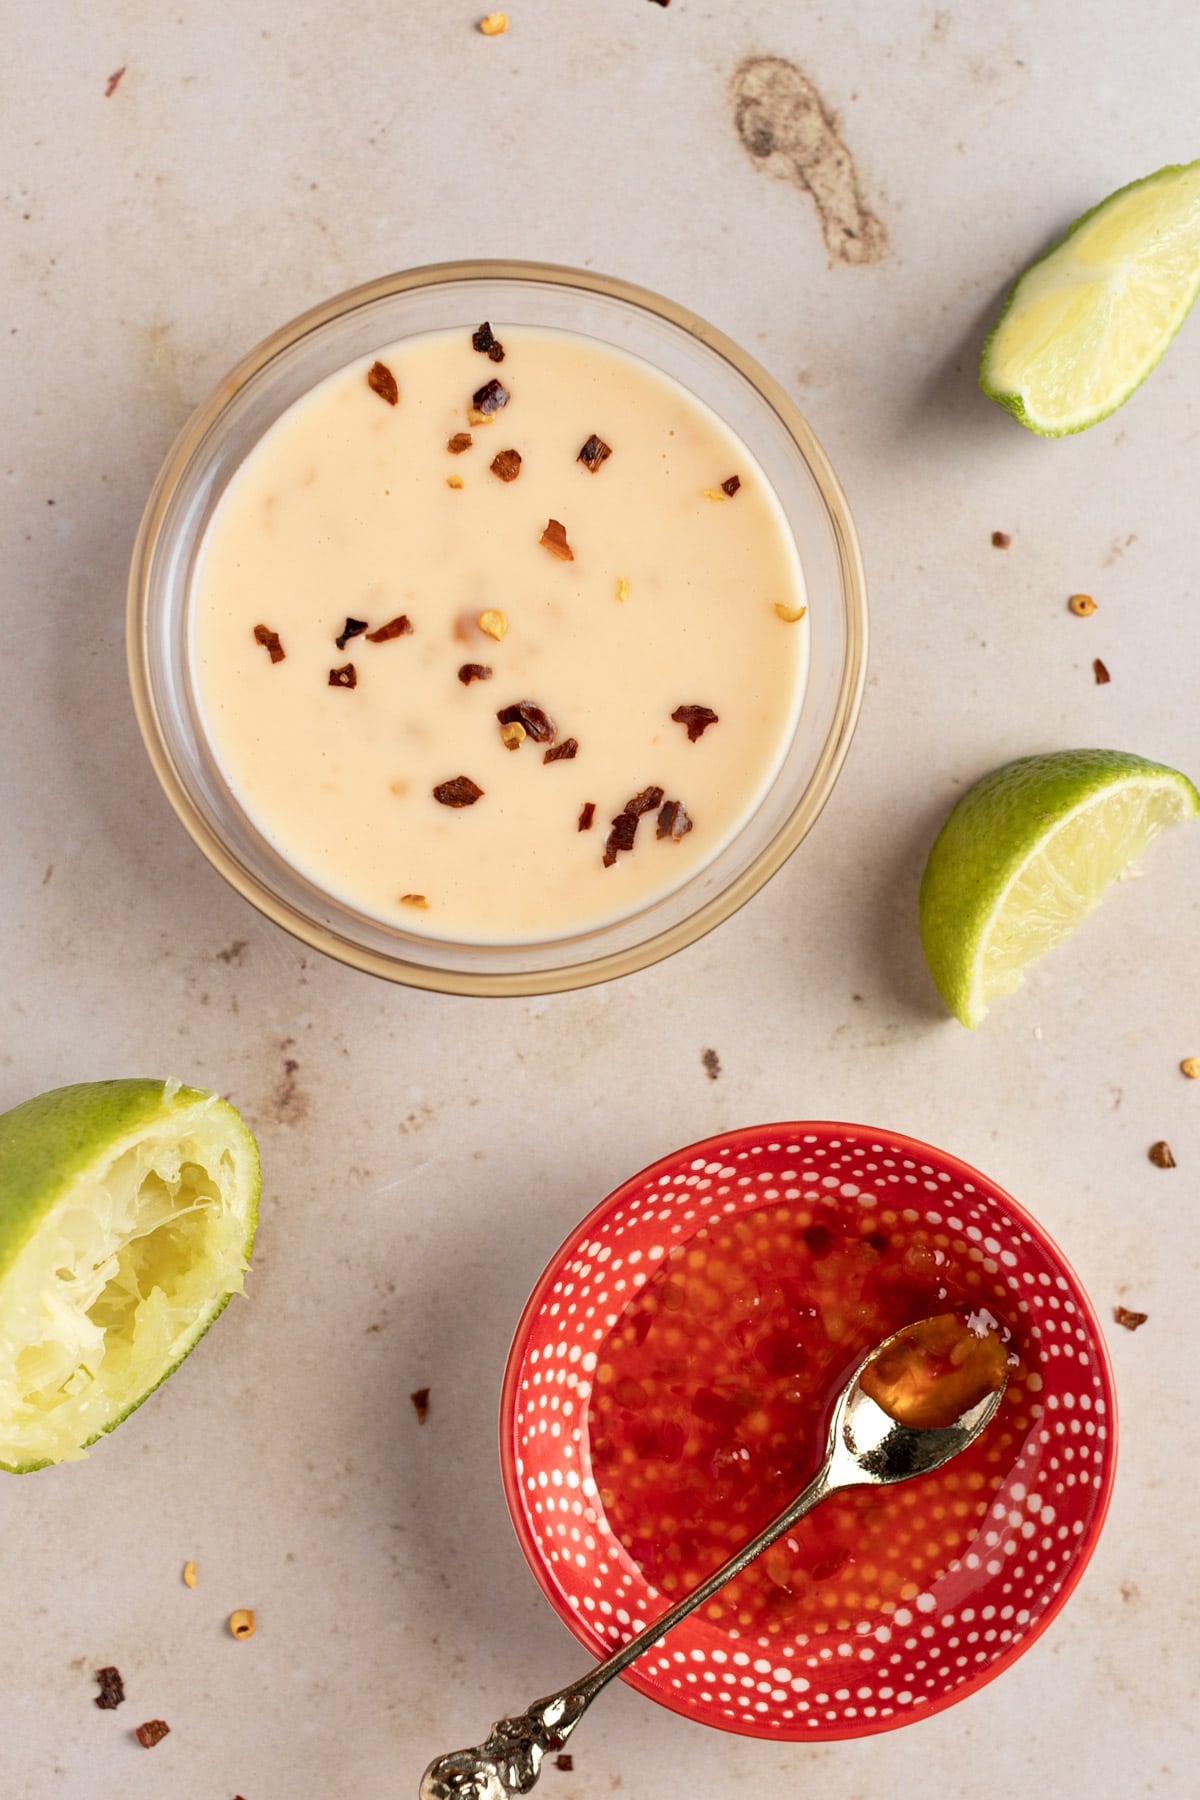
(112,1689)
(487,343)
(461,791)
(594,452)
(507,464)
(400,626)
(564,1762)
(474,672)
(587,815)
(538,724)
(462,440)
(555,540)
(420,1400)
(352,628)
(345,677)
(731,486)
(1001,540)
(696,718)
(381,381)
(151,1733)
(114,81)
(1160,1155)
(490,398)
(624,830)
(1101,673)
(673,822)
(1130,1320)
(644,802)
(564,752)
(270,641)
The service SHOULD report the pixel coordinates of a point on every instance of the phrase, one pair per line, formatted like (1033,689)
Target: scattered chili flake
(513,734)
(352,628)
(381,381)
(490,398)
(474,672)
(1001,540)
(506,464)
(475,417)
(462,440)
(644,802)
(189,1574)
(791,615)
(1101,673)
(461,791)
(538,724)
(345,677)
(494,622)
(555,540)
(624,830)
(594,452)
(715,494)
(454,481)
(564,752)
(270,641)
(112,1689)
(400,626)
(587,815)
(420,1400)
(417,900)
(493,25)
(622,589)
(114,81)
(241,1622)
(152,1732)
(673,822)
(564,1762)
(1130,1320)
(696,718)
(1191,1067)
(1082,605)
(484,340)
(731,486)
(1160,1155)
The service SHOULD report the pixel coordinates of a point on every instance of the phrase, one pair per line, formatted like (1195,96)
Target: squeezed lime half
(1086,323)
(127,1217)
(1026,854)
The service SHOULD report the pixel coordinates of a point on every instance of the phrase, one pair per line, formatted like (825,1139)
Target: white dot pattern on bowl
(892,1664)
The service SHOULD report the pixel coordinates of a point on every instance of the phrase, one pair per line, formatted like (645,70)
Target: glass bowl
(963,1615)
(286,366)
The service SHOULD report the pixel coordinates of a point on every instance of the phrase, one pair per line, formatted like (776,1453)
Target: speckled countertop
(417,1168)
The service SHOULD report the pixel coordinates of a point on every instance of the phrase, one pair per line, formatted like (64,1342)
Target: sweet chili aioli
(712,1399)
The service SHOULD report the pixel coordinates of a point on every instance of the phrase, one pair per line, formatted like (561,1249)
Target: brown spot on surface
(781,119)
(289,1103)
(233,953)
(110,88)
(712,1064)
(420,1400)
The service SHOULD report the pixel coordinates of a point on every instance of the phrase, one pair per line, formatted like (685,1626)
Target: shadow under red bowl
(960,1623)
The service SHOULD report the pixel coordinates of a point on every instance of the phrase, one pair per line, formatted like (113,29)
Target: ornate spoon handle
(509,1761)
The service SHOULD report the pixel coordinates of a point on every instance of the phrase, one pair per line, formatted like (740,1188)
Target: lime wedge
(1026,854)
(1084,326)
(127,1215)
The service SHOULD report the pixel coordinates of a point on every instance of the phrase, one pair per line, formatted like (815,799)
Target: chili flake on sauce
(712,1398)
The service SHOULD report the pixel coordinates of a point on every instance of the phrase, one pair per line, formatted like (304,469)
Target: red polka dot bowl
(653,1374)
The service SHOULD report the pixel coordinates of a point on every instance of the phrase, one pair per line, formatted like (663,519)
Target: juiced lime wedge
(1084,326)
(1026,854)
(127,1215)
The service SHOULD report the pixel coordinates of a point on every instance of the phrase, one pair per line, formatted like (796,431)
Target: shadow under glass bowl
(225,429)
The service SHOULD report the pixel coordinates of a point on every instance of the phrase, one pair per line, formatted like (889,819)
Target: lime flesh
(1026,854)
(127,1216)
(1084,326)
